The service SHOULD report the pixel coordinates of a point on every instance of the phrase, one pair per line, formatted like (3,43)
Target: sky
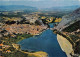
(41,3)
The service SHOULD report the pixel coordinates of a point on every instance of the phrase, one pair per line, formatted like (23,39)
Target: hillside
(69,28)
(67,20)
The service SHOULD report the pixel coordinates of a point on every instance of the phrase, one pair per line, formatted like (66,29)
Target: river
(47,42)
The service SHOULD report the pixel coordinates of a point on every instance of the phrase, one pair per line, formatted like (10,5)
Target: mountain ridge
(63,8)
(17,7)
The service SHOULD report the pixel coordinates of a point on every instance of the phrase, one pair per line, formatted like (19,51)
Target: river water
(47,42)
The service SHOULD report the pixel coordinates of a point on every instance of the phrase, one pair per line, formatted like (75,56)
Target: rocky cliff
(67,20)
(69,30)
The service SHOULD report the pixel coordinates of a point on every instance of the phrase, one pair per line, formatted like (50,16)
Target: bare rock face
(67,20)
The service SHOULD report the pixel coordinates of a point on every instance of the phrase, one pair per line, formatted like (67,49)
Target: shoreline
(65,45)
(40,34)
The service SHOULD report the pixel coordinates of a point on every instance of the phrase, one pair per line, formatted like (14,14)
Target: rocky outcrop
(69,27)
(65,45)
(67,20)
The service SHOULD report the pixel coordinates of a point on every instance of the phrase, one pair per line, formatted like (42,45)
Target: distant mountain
(62,8)
(17,7)
(67,20)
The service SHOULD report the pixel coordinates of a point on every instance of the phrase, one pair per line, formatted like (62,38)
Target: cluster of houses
(24,28)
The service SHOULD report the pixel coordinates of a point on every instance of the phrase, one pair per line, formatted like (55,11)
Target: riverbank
(46,42)
(72,40)
(72,34)
(11,48)
(65,45)
(11,34)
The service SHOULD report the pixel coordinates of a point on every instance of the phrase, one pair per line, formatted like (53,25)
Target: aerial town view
(39,28)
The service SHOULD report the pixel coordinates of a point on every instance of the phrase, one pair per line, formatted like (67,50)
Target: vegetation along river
(47,42)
